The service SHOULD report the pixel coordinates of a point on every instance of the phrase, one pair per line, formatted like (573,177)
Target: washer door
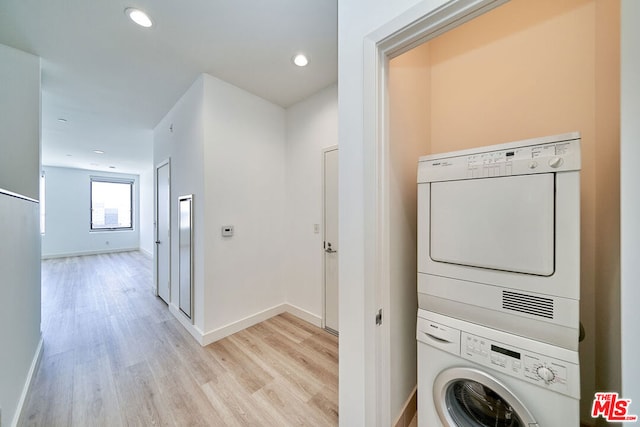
(468,397)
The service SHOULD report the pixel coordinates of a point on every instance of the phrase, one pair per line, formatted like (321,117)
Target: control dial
(546,374)
(555,162)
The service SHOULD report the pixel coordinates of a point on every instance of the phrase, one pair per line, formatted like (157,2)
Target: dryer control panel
(560,153)
(529,366)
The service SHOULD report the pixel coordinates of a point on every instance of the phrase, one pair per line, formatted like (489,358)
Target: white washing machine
(472,376)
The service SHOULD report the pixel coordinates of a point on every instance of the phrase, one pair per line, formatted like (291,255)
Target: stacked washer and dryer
(499,285)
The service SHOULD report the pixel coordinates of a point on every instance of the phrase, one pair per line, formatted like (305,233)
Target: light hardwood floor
(114,356)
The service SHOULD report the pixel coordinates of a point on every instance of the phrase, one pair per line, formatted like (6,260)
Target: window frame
(111,180)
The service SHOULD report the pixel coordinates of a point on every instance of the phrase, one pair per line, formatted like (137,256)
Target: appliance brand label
(442,163)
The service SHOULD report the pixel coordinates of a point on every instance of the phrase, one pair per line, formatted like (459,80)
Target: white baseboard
(83,253)
(206,338)
(27,385)
(232,328)
(146,253)
(186,323)
(304,315)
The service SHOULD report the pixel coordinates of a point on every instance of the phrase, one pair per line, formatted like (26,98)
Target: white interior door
(331,240)
(163,232)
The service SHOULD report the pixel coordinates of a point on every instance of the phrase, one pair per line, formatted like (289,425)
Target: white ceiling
(113,81)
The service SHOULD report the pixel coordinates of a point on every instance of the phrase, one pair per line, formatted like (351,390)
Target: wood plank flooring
(115,356)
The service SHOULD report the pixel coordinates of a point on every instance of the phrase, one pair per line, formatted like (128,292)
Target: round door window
(467,397)
(473,404)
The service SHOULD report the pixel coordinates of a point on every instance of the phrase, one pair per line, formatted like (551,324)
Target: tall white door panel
(163,232)
(331,240)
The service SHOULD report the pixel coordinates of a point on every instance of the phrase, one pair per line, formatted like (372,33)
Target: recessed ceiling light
(139,17)
(98,151)
(300,60)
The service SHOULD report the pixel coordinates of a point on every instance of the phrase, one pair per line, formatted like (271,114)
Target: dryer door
(468,397)
(505,223)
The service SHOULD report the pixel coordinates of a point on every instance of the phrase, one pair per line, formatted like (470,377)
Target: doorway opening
(162,256)
(330,246)
(431,90)
(389,371)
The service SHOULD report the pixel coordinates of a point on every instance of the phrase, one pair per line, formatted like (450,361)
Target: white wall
(20,114)
(244,186)
(179,137)
(67,221)
(227,148)
(630,202)
(147,212)
(19,228)
(356,19)
(312,125)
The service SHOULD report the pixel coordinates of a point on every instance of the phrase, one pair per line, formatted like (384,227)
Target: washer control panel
(545,155)
(529,366)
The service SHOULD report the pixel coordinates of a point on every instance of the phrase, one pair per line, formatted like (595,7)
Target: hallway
(114,355)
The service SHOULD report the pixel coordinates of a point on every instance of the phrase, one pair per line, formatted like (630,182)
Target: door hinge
(379,318)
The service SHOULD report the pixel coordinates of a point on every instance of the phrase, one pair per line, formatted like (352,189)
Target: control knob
(546,374)
(555,162)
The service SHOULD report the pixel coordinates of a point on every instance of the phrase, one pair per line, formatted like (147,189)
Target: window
(111,202)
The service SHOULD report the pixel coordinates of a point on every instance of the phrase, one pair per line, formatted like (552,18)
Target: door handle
(330,251)
(157,242)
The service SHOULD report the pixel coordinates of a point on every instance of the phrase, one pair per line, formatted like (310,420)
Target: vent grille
(529,304)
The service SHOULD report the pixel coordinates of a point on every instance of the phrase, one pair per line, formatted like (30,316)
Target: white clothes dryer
(499,237)
(473,376)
